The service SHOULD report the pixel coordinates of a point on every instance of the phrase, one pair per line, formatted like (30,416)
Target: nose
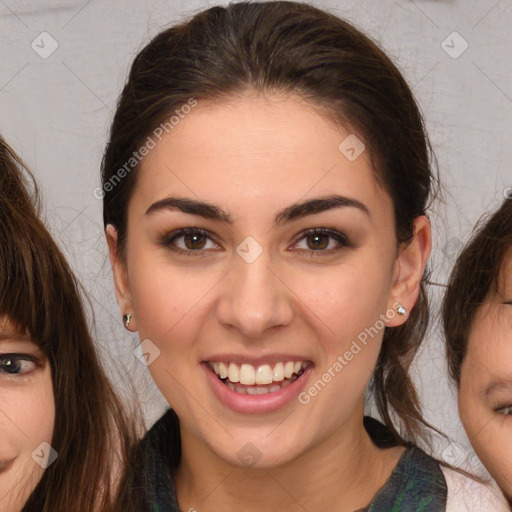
(254,298)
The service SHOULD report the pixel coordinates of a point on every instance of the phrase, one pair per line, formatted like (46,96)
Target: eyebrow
(499,385)
(292,212)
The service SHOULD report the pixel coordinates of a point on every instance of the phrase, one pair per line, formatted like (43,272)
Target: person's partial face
(485,396)
(27,415)
(257,255)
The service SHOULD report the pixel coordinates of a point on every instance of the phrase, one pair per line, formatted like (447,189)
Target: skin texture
(489,359)
(253,157)
(27,415)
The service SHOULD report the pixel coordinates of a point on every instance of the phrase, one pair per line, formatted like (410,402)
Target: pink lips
(255,404)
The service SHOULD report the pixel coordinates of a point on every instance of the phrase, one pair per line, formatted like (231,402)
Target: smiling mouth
(258,380)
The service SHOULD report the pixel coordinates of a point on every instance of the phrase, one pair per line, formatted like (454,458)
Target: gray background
(55,112)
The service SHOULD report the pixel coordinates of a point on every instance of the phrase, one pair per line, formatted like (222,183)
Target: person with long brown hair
(477,315)
(266,185)
(65,439)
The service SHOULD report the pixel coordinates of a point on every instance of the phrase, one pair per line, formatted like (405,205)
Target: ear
(120,274)
(409,268)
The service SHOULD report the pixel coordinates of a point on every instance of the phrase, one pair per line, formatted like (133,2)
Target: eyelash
(16,359)
(507,408)
(169,239)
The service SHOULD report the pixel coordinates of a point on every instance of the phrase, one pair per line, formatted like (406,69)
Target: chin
(259,451)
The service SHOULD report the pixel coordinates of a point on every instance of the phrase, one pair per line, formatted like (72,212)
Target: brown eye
(189,241)
(317,242)
(194,241)
(322,240)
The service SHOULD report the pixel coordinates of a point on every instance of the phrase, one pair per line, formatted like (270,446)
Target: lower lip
(255,404)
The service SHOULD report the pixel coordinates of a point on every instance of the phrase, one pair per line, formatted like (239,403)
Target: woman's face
(27,415)
(289,265)
(485,396)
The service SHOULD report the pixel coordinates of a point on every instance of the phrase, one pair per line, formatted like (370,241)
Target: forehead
(7,327)
(10,331)
(277,148)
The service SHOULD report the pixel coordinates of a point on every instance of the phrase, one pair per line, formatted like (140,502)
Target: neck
(346,468)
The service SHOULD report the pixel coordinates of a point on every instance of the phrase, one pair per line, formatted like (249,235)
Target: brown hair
(39,295)
(294,48)
(474,277)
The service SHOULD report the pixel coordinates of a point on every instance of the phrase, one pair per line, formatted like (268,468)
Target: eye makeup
(18,364)
(196,234)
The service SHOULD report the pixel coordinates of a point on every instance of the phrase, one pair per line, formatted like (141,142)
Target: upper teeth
(264,374)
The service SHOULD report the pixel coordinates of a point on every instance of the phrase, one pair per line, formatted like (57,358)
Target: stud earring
(127,319)
(401,310)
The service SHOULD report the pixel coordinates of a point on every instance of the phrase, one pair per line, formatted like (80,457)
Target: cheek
(472,411)
(490,434)
(27,416)
(36,417)
(347,300)
(493,445)
(42,422)
(474,417)
(164,296)
(343,296)
(172,305)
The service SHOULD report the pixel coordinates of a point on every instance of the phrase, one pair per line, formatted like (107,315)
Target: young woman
(63,436)
(477,315)
(266,184)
